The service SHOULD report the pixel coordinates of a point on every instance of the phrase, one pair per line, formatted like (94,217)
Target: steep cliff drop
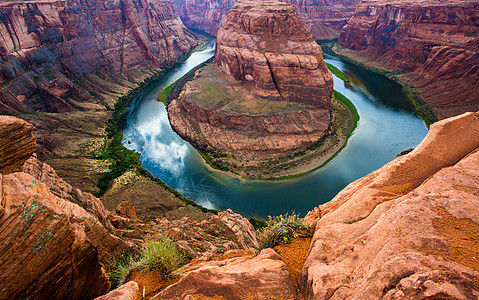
(324,18)
(406,231)
(55,239)
(269,95)
(64,64)
(431,47)
(48,49)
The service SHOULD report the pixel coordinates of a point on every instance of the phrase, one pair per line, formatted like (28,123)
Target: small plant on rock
(161,254)
(281,229)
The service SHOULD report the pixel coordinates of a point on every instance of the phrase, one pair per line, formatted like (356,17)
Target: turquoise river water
(387,126)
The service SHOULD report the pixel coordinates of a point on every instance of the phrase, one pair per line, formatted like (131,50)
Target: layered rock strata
(434,42)
(55,239)
(17,145)
(324,18)
(407,230)
(268,44)
(46,48)
(278,100)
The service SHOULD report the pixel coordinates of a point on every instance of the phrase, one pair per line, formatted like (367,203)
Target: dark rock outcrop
(324,18)
(407,230)
(47,48)
(434,42)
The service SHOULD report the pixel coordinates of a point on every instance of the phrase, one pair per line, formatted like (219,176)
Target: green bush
(121,269)
(281,229)
(161,254)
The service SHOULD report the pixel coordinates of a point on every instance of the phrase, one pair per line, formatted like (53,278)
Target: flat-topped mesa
(267,43)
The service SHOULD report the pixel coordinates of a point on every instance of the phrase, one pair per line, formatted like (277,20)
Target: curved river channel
(387,126)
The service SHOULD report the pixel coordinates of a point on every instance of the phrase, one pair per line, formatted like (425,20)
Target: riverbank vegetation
(338,72)
(120,159)
(423,109)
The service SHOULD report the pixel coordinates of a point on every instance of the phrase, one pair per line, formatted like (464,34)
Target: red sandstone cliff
(324,18)
(406,231)
(436,41)
(47,47)
(269,45)
(54,239)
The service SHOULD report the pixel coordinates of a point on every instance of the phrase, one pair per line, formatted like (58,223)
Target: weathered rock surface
(17,145)
(128,291)
(203,239)
(264,276)
(324,18)
(406,231)
(47,46)
(436,41)
(267,43)
(279,100)
(51,245)
(127,210)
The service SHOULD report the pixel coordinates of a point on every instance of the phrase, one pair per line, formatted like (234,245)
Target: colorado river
(387,126)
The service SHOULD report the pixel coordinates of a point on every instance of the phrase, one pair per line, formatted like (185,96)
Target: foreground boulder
(406,231)
(54,239)
(264,276)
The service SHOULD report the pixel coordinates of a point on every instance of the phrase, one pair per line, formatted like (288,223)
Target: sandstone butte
(434,43)
(276,101)
(324,18)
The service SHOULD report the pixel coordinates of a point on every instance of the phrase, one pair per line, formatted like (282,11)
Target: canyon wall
(406,231)
(55,240)
(55,53)
(324,18)
(435,43)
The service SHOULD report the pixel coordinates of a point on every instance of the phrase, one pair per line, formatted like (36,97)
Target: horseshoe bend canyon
(85,215)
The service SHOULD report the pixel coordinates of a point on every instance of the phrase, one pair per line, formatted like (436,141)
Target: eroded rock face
(267,43)
(275,97)
(46,246)
(407,230)
(264,276)
(436,41)
(46,45)
(324,18)
(17,145)
(54,238)
(128,291)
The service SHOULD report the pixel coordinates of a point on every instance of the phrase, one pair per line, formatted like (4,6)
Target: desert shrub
(161,254)
(281,229)
(120,269)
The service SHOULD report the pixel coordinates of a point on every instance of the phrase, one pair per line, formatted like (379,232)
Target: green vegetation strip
(338,72)
(122,159)
(423,109)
